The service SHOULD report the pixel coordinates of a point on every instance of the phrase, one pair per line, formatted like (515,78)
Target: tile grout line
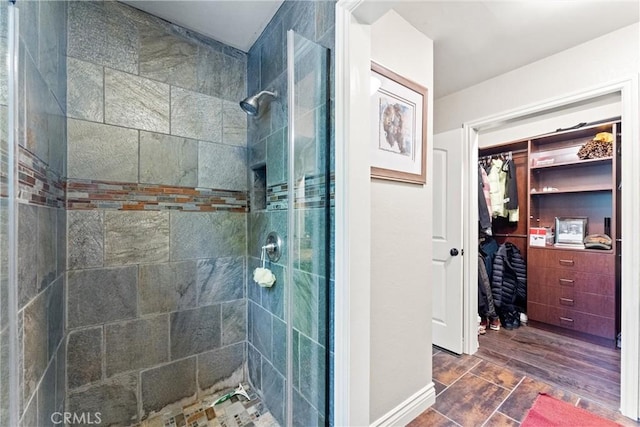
(503,400)
(440,413)
(507,416)
(456,380)
(491,382)
(463,374)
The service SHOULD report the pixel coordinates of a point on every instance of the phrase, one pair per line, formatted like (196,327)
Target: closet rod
(524,150)
(524,236)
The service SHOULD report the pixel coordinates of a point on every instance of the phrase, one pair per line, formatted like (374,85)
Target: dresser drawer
(573,320)
(567,278)
(574,260)
(569,298)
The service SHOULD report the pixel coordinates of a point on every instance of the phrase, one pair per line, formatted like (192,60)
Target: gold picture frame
(399,127)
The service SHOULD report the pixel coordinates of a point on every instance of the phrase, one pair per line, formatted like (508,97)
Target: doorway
(551,354)
(472,136)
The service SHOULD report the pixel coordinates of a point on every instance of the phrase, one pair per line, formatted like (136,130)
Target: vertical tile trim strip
(37,183)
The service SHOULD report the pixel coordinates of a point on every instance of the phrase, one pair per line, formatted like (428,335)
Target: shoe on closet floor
(511,321)
(482,327)
(516,319)
(494,325)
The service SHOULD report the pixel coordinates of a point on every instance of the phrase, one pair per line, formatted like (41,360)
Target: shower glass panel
(8,378)
(309,221)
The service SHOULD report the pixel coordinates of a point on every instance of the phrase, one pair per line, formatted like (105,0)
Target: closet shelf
(572,190)
(576,163)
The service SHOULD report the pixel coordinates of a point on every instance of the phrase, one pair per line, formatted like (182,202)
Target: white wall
(608,58)
(401,243)
(603,108)
(352,291)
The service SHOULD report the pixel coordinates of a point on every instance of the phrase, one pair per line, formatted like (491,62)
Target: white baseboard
(408,410)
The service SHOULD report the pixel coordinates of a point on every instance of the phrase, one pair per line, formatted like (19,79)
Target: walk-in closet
(549,252)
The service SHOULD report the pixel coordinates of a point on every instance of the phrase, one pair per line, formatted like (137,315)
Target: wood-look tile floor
(499,384)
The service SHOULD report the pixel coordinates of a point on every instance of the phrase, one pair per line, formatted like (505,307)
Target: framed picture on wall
(571,231)
(399,127)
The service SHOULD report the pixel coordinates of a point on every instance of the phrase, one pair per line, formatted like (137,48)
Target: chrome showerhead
(251,104)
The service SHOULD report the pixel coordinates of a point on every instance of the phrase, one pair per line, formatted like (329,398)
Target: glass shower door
(309,184)
(8,317)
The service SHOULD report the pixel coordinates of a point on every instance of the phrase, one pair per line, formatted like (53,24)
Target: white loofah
(264,277)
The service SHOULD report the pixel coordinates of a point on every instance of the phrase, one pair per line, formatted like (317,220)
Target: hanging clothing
(483,212)
(509,279)
(497,187)
(488,249)
(511,204)
(486,308)
(512,185)
(486,188)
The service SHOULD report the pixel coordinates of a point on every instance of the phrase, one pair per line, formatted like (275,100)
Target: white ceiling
(477,40)
(237,23)
(473,40)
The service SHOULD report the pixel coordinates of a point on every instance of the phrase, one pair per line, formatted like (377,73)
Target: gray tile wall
(135,85)
(156,299)
(149,104)
(268,145)
(42,91)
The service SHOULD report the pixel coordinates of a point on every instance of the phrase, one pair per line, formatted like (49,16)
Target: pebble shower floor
(235,412)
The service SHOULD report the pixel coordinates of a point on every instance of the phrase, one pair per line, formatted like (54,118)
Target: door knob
(453,252)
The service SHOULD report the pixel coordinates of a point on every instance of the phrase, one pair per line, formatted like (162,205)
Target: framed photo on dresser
(571,230)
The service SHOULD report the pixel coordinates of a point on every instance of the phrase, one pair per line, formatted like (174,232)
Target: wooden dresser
(573,289)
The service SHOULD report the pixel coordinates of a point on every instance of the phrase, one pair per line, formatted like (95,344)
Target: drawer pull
(567,320)
(566,262)
(567,282)
(566,301)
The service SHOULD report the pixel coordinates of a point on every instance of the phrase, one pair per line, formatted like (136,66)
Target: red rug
(550,412)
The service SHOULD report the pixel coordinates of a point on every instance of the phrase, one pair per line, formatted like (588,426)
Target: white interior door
(447,283)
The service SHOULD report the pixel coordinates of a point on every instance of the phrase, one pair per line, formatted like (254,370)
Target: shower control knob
(454,252)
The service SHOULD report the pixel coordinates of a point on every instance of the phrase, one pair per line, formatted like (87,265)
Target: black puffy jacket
(509,279)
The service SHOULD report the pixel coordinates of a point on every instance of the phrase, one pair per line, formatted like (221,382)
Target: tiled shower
(141,199)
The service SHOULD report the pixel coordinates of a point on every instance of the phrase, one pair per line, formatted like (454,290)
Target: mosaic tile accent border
(313,195)
(37,183)
(40,186)
(4,184)
(277,197)
(91,194)
(4,180)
